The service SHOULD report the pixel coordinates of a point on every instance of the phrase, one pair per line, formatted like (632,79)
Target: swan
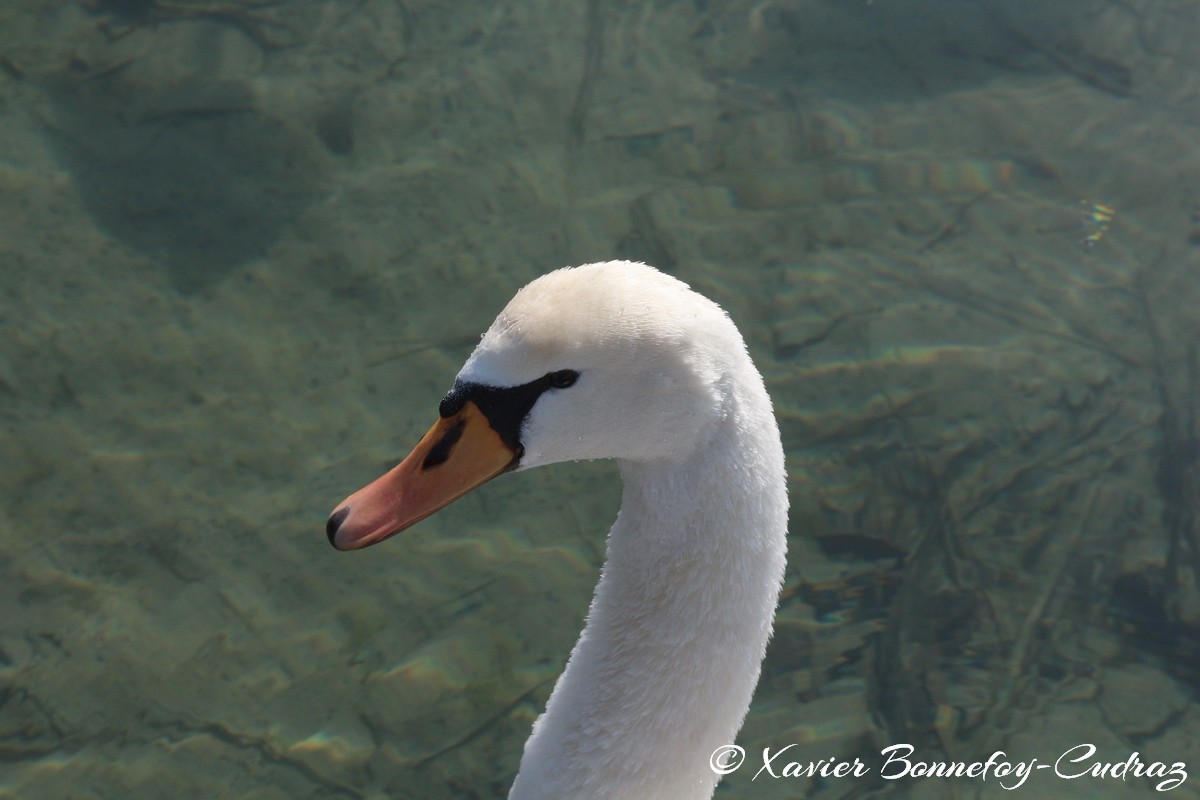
(618,360)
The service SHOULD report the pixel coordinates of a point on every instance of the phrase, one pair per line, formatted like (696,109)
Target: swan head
(612,360)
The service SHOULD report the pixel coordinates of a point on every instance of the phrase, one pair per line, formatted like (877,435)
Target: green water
(245,247)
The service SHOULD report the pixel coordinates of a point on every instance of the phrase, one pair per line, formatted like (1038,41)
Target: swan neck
(665,668)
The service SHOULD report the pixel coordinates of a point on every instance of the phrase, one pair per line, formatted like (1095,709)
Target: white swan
(617,360)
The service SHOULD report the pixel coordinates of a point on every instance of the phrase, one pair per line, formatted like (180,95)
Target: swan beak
(459,453)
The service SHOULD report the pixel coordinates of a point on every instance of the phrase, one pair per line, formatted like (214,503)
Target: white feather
(665,668)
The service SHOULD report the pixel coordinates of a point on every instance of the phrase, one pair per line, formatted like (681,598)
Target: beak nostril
(335,521)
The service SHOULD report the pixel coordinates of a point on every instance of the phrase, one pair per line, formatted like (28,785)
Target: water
(246,246)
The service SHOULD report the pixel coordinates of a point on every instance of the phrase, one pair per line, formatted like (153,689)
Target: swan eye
(563,378)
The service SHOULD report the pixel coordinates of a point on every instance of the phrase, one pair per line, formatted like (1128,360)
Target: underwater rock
(196,175)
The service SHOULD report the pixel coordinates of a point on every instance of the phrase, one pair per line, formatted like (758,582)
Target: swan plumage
(618,360)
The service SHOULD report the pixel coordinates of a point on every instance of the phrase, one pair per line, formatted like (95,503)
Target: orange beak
(458,454)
